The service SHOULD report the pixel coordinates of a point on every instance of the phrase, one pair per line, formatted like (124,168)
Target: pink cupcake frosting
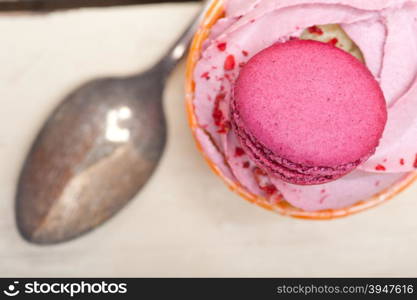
(384,30)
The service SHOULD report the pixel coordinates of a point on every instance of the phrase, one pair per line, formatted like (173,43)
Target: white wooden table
(185,222)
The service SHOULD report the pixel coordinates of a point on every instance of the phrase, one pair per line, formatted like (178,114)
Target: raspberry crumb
(380,168)
(224,127)
(259,171)
(217,113)
(217,116)
(221,46)
(205,75)
(402,162)
(246,165)
(229,63)
(229,78)
(415,163)
(269,189)
(239,152)
(245,53)
(333,41)
(315,30)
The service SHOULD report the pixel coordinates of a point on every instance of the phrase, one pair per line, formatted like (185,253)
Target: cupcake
(307,108)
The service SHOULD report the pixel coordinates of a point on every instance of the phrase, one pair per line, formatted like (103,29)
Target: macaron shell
(310,103)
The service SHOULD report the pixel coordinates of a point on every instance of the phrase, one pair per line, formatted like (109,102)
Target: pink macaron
(307,112)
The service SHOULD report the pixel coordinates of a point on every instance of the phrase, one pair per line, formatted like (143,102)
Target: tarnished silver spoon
(95,152)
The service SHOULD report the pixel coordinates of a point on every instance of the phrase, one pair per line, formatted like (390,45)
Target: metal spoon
(95,152)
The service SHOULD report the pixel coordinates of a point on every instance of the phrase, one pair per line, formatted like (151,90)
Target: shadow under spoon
(95,152)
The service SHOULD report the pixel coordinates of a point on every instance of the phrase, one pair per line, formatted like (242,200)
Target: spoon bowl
(95,152)
(93,155)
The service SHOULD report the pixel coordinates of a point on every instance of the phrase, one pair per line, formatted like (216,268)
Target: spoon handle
(177,51)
